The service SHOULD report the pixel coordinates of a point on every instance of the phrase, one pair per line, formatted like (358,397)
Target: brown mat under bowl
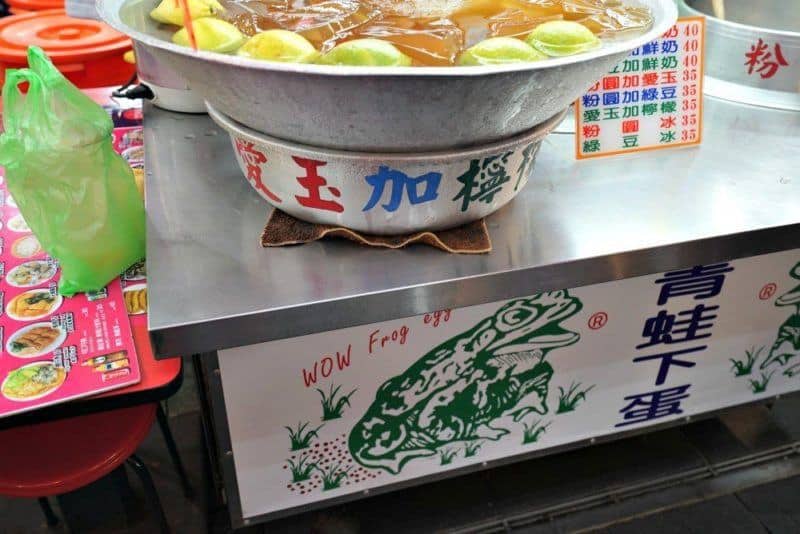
(283,229)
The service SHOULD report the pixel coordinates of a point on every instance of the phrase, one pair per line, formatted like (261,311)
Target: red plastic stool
(96,444)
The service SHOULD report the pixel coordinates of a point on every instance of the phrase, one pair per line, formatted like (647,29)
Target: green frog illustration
(455,391)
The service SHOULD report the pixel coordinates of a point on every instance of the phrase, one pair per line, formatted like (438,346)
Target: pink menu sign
(55,349)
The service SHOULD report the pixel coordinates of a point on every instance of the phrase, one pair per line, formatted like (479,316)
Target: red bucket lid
(35,5)
(65,39)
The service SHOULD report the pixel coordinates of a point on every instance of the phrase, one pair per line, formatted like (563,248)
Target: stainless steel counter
(212,286)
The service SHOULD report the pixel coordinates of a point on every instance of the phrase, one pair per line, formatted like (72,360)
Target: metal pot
(753,54)
(381,109)
(170,90)
(385,194)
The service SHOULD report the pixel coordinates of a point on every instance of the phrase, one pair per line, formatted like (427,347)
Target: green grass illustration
(760,386)
(520,414)
(447,456)
(569,400)
(745,367)
(302,469)
(333,475)
(471,449)
(332,407)
(532,433)
(300,438)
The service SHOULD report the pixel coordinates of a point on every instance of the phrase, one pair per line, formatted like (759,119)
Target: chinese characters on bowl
(385,193)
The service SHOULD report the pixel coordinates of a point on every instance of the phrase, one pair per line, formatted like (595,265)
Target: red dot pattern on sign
(325,454)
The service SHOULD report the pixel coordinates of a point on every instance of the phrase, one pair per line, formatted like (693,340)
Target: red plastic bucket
(20,7)
(87,52)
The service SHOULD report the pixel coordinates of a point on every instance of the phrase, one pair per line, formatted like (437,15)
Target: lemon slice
(211,34)
(500,51)
(366,52)
(279,45)
(562,38)
(170,12)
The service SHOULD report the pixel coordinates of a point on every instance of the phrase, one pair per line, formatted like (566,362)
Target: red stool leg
(150,491)
(50,516)
(163,423)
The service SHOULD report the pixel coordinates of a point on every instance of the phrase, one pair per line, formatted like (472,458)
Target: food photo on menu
(57,348)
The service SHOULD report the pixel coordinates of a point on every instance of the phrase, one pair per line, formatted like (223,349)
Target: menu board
(54,348)
(652,100)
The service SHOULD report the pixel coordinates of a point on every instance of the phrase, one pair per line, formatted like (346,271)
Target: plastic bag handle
(35,99)
(39,63)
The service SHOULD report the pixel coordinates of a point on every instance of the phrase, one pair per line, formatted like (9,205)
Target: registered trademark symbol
(767,291)
(598,320)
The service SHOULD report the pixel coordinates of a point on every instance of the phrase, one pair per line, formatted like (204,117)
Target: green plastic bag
(75,192)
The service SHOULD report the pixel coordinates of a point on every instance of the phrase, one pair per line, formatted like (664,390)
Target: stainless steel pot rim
(109,10)
(754,96)
(538,133)
(737,27)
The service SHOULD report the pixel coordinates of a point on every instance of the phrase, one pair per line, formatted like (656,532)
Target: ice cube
(428,41)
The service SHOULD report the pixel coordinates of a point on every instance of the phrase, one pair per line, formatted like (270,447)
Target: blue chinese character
(648,95)
(700,281)
(610,99)
(669,46)
(668,93)
(653,405)
(401,182)
(629,97)
(650,49)
(668,328)
(668,359)
(591,101)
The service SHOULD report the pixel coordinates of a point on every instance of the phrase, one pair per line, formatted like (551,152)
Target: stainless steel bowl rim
(736,26)
(536,133)
(110,13)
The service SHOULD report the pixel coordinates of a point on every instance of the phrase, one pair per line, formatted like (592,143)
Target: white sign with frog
(335,414)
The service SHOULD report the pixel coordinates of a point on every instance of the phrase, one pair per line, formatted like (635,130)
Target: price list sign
(652,100)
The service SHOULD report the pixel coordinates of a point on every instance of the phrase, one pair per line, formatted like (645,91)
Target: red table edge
(155,373)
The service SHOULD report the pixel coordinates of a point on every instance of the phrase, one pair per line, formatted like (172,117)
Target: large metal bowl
(385,109)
